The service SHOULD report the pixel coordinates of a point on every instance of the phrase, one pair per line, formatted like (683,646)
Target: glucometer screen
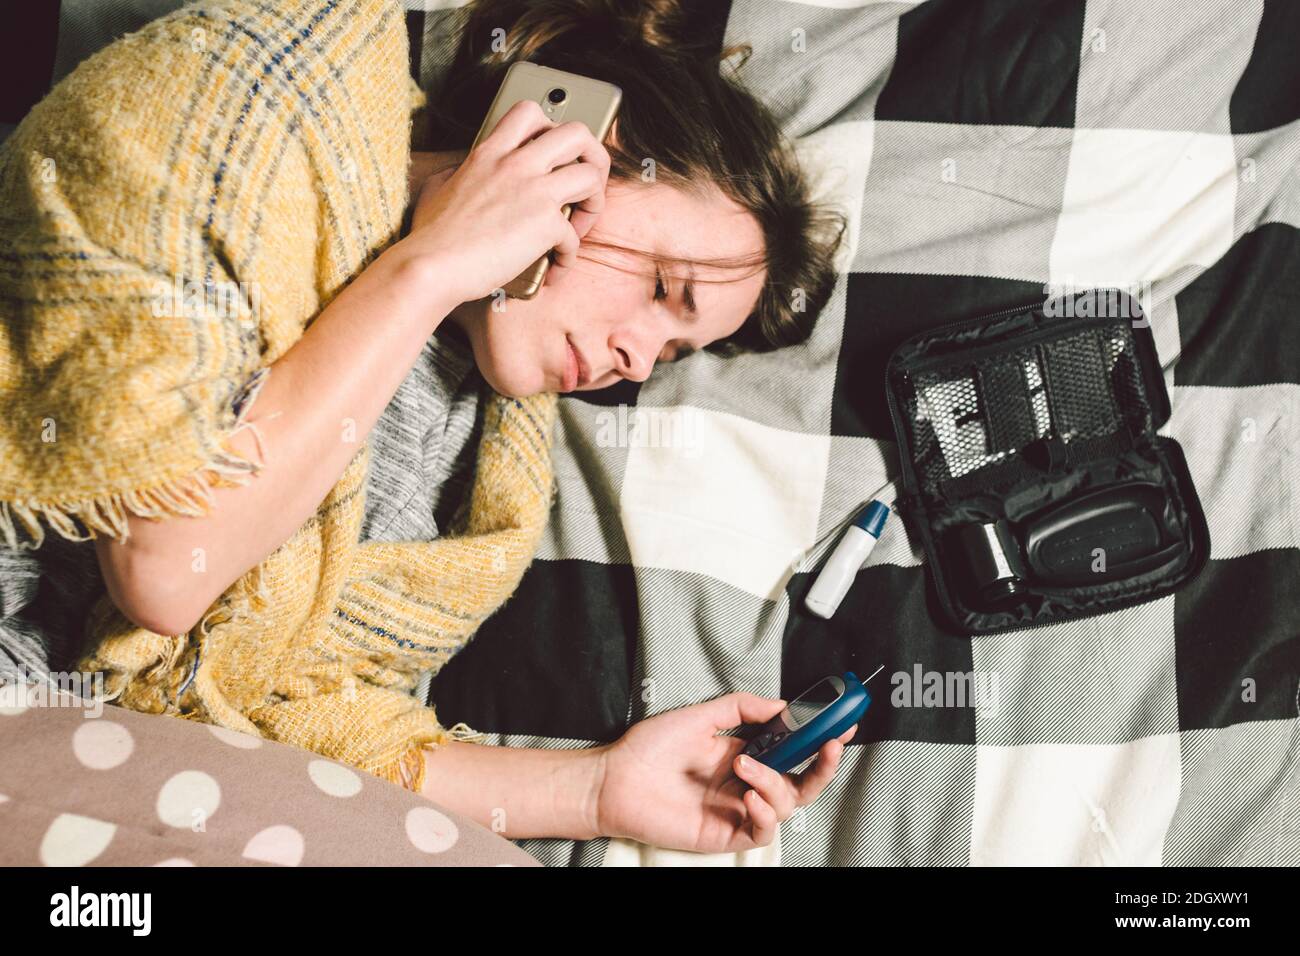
(813,701)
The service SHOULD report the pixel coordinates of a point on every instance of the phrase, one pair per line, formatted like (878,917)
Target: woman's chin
(518,386)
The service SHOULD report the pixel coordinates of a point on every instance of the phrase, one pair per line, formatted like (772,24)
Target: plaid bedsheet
(988,152)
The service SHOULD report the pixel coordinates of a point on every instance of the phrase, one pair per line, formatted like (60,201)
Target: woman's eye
(661,290)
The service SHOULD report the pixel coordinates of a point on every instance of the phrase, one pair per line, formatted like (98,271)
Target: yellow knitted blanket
(172,216)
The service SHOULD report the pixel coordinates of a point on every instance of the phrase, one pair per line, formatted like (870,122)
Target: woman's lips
(575,368)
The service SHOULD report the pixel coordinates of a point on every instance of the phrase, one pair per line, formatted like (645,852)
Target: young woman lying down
(277,511)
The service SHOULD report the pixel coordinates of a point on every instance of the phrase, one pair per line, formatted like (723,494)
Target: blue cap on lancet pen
(841,568)
(871,519)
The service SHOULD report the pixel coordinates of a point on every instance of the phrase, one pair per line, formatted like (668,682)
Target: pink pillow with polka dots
(87,784)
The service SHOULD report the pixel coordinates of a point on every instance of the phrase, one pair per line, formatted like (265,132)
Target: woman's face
(617,322)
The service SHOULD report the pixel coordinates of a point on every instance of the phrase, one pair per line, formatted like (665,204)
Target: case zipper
(1023,339)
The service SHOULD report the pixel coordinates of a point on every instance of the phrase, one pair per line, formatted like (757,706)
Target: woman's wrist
(577,790)
(420,277)
(520,792)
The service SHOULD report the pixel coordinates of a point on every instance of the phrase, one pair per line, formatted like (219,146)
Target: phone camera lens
(556,96)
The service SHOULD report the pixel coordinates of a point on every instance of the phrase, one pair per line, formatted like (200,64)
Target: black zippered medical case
(1033,474)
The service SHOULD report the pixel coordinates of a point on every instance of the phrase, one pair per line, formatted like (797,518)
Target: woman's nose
(629,363)
(634,357)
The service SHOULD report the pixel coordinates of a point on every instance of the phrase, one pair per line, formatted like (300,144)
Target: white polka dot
(102,744)
(278,844)
(74,840)
(334,779)
(188,797)
(13,699)
(175,861)
(4,798)
(235,738)
(431,831)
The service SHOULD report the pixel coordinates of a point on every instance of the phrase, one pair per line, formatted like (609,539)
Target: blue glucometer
(822,712)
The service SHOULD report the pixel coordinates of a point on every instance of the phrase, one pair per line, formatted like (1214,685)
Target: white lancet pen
(837,575)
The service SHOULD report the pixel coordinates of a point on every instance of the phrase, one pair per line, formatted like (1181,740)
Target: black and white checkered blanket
(988,152)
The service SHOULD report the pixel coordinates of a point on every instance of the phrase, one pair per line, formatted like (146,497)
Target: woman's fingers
(775,796)
(520,124)
(567,154)
(763,819)
(741,707)
(785,792)
(810,784)
(577,165)
(775,788)
(566,250)
(567,143)
(582,222)
(582,186)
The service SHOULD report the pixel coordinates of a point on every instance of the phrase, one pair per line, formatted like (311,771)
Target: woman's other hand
(668,781)
(482,222)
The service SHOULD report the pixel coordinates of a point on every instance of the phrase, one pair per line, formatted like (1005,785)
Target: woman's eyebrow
(688,293)
(688,284)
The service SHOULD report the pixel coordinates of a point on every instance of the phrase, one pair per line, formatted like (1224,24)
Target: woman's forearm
(313,412)
(518,792)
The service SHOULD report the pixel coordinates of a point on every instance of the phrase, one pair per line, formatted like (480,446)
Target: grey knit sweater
(422,456)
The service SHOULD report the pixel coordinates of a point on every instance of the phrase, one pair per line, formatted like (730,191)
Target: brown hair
(702,128)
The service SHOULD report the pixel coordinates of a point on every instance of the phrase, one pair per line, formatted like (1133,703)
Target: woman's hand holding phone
(668,781)
(474,228)
(479,224)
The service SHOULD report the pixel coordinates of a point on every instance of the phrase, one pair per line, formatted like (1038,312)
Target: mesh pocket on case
(974,414)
